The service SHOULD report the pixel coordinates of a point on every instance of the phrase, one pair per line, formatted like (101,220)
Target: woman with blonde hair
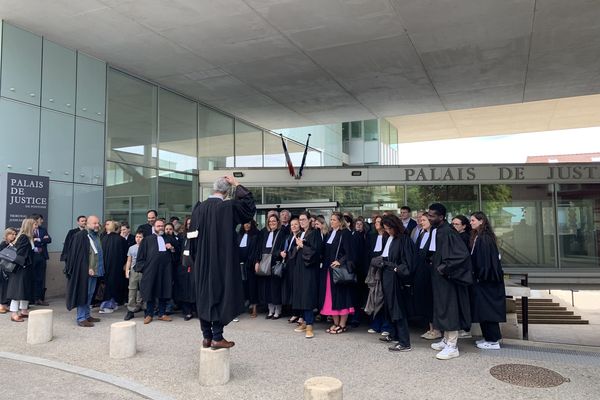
(20,284)
(9,236)
(114,258)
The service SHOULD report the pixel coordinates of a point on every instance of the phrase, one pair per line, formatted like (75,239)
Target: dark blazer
(146,229)
(43,244)
(412,224)
(67,244)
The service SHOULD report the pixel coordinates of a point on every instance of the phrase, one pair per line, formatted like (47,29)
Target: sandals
(293,319)
(340,329)
(332,329)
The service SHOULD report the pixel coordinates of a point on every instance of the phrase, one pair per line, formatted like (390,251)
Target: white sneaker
(464,335)
(479,341)
(384,333)
(489,345)
(371,331)
(236,320)
(439,345)
(431,335)
(447,353)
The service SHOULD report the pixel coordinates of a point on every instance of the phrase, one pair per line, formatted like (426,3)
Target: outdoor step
(540,304)
(536,308)
(549,316)
(558,321)
(537,300)
(548,312)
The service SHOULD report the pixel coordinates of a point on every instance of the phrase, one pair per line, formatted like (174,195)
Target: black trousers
(491,331)
(399,332)
(211,330)
(39,277)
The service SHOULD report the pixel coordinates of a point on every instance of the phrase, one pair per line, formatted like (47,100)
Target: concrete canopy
(285,63)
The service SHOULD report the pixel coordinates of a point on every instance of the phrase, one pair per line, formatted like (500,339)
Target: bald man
(84,267)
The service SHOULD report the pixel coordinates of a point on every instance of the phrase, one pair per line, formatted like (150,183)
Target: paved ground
(270,361)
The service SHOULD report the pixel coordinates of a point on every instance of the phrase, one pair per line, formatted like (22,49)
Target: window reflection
(248,146)
(458,199)
(177,194)
(178,132)
(215,144)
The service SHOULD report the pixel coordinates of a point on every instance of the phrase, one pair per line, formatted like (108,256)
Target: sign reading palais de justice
(540,173)
(25,195)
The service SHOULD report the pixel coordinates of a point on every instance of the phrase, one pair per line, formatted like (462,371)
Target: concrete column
(123,339)
(39,326)
(214,367)
(323,388)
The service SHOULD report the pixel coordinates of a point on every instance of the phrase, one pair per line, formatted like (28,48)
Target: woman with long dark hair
(269,287)
(184,291)
(398,262)
(248,243)
(461,224)
(375,244)
(305,295)
(488,304)
(337,298)
(288,254)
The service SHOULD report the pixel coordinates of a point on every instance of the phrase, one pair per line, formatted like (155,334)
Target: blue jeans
(380,324)
(83,311)
(162,305)
(211,330)
(309,317)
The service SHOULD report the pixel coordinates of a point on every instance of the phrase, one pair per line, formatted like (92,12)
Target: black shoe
(129,315)
(400,348)
(269,316)
(187,317)
(386,339)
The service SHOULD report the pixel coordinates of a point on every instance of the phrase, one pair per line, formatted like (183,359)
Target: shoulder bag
(9,260)
(264,267)
(342,275)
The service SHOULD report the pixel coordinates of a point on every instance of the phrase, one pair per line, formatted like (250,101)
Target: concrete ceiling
(285,63)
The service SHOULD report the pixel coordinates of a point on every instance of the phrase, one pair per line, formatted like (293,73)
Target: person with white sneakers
(450,278)
(488,302)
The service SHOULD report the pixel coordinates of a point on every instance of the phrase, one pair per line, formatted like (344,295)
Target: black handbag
(278,269)
(9,260)
(264,267)
(342,275)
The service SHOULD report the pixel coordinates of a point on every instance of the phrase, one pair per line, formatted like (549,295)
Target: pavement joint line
(119,382)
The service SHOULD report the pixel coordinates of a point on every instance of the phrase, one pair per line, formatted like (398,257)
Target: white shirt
(424,240)
(302,235)
(270,240)
(331,236)
(386,250)
(378,243)
(161,243)
(432,244)
(244,241)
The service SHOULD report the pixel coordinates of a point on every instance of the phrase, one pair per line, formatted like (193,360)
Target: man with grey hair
(284,218)
(214,251)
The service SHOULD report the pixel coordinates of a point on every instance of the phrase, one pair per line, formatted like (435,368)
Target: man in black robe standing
(214,249)
(148,228)
(154,262)
(81,223)
(450,280)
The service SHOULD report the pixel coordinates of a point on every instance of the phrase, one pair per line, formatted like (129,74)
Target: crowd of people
(345,272)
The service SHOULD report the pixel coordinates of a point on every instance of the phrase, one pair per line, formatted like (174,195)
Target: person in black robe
(461,224)
(10,235)
(376,241)
(20,284)
(337,298)
(249,254)
(126,234)
(114,248)
(148,228)
(450,280)
(183,287)
(305,293)
(172,239)
(422,289)
(397,264)
(81,224)
(288,255)
(361,291)
(488,300)
(85,264)
(270,287)
(217,274)
(154,262)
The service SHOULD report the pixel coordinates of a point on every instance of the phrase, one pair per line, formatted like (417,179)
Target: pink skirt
(327,306)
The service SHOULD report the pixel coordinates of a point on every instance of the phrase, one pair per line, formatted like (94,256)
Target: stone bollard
(214,367)
(39,326)
(123,339)
(323,388)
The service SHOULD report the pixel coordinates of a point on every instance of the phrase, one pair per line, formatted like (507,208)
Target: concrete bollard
(123,339)
(214,367)
(40,326)
(323,388)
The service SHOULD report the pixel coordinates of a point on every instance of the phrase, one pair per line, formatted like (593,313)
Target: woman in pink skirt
(337,300)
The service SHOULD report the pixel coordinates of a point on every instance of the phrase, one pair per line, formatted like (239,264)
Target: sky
(501,149)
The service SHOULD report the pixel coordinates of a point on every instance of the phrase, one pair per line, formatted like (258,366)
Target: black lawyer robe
(341,295)
(217,275)
(488,295)
(422,290)
(270,287)
(287,285)
(396,293)
(249,256)
(451,303)
(77,269)
(67,243)
(114,252)
(156,270)
(20,281)
(3,278)
(305,292)
(183,285)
